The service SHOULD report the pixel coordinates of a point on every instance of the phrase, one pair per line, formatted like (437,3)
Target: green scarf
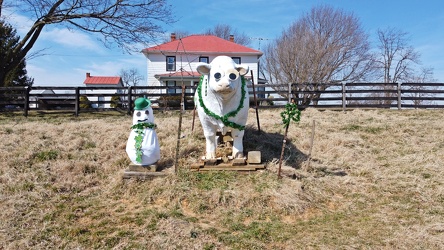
(140,127)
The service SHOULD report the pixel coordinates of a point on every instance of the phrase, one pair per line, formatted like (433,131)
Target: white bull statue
(222,102)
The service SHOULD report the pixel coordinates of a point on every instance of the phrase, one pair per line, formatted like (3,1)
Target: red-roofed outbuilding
(103,80)
(104,88)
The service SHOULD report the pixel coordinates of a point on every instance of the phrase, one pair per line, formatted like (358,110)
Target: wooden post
(77,102)
(255,103)
(399,96)
(194,117)
(289,93)
(284,141)
(130,99)
(26,104)
(311,144)
(182,99)
(344,100)
(179,128)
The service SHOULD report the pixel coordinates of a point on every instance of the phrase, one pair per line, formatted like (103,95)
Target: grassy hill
(374,181)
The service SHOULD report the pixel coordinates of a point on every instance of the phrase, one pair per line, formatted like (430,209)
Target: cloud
(52,33)
(61,72)
(71,38)
(20,22)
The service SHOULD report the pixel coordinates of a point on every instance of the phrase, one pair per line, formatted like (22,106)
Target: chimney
(231,38)
(88,75)
(173,37)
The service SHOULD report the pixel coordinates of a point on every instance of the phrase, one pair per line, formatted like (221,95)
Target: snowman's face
(144,115)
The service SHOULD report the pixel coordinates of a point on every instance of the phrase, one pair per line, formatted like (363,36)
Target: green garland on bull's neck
(233,113)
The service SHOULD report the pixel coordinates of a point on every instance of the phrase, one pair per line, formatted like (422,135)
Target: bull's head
(223,74)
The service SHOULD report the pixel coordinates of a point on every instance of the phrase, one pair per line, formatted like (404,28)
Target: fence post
(130,99)
(26,104)
(399,96)
(344,100)
(289,92)
(77,102)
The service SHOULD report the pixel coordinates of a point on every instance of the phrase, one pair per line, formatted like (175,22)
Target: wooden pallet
(142,172)
(226,167)
(230,165)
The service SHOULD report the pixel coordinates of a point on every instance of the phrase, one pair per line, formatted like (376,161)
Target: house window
(171,63)
(169,84)
(237,60)
(204,59)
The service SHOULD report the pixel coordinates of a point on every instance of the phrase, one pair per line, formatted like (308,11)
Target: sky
(69,54)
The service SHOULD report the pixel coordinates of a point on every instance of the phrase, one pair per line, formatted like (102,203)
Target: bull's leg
(238,147)
(211,144)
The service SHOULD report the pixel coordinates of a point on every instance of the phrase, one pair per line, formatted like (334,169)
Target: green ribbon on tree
(140,127)
(224,119)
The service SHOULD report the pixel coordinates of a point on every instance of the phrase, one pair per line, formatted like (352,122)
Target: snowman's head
(142,111)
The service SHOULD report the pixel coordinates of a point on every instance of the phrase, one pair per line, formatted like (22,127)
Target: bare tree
(324,46)
(425,76)
(123,22)
(395,57)
(225,31)
(131,77)
(179,34)
(395,63)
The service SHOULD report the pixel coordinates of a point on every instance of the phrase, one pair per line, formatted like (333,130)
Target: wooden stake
(311,144)
(284,141)
(255,103)
(182,103)
(194,117)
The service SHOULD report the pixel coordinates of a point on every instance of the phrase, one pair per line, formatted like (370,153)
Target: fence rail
(334,96)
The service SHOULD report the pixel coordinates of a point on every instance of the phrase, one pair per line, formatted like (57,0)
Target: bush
(174,101)
(115,102)
(84,102)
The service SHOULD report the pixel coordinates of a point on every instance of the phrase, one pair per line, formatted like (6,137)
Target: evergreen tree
(8,41)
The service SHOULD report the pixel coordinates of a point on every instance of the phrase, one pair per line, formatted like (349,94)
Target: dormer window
(237,60)
(204,59)
(170,63)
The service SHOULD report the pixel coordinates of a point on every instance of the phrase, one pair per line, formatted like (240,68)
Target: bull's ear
(242,70)
(204,68)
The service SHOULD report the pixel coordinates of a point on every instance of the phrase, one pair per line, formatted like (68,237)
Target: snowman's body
(149,146)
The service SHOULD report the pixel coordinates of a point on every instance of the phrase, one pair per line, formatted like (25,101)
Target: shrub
(174,101)
(115,102)
(84,102)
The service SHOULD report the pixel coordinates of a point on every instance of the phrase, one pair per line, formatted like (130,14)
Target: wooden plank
(228,167)
(142,168)
(142,175)
(238,162)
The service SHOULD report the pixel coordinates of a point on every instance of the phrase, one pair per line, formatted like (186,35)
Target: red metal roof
(202,44)
(102,80)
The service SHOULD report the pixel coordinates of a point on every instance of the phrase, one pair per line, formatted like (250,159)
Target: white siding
(156,65)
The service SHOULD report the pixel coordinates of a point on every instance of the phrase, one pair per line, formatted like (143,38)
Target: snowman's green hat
(141,103)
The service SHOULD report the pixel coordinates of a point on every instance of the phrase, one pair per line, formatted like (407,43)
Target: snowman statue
(142,146)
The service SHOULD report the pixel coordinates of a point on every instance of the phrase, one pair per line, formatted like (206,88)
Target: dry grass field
(375,180)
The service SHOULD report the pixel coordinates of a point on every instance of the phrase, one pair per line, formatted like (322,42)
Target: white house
(103,89)
(175,62)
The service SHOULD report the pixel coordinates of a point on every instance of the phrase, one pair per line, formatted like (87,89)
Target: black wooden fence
(335,96)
